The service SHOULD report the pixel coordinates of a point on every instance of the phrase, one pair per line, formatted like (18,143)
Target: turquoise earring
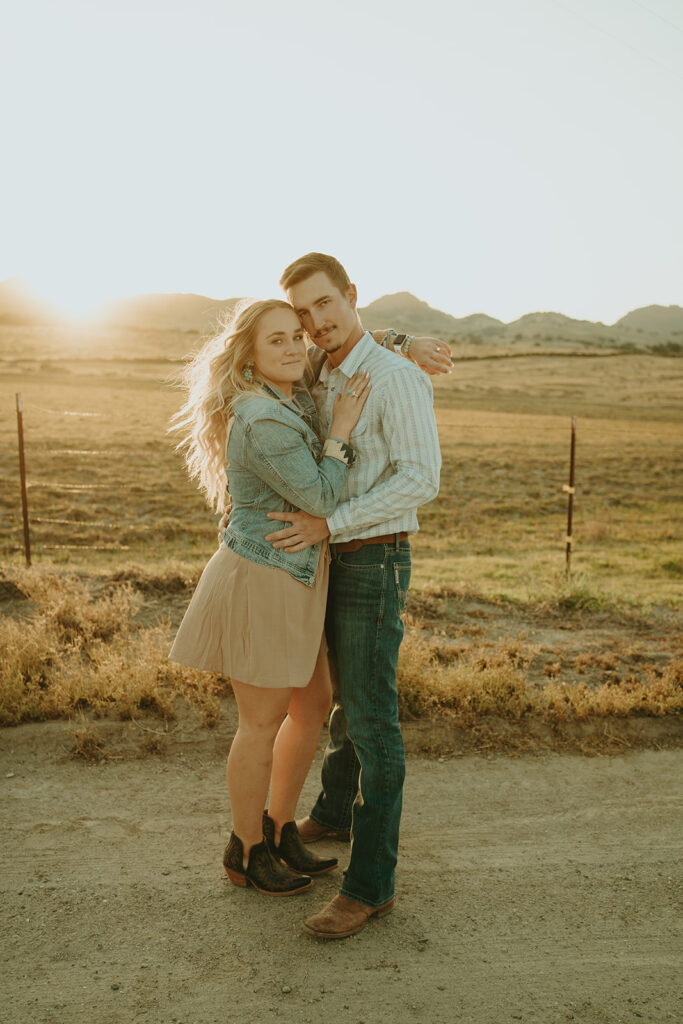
(248,372)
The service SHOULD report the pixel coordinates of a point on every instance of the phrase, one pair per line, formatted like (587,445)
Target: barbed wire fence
(33,485)
(19,522)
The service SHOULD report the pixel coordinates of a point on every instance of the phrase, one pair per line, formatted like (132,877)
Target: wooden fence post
(22,474)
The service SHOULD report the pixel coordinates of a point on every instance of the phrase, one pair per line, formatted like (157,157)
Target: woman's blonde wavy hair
(214,379)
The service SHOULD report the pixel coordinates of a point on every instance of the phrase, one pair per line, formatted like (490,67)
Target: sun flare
(76,299)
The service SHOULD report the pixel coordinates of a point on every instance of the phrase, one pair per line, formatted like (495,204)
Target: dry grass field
(490,612)
(533,888)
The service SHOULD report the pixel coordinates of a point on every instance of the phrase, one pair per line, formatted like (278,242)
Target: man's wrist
(401,343)
(405,345)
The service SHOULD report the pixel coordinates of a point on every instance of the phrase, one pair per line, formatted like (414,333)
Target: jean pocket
(367,557)
(348,561)
(402,579)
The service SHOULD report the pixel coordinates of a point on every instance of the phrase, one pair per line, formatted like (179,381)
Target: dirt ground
(541,889)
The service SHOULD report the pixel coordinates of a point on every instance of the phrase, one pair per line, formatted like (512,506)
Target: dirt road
(535,889)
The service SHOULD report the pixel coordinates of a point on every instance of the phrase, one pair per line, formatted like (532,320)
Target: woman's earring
(248,372)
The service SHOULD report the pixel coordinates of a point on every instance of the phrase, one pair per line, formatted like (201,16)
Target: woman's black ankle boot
(292,851)
(264,871)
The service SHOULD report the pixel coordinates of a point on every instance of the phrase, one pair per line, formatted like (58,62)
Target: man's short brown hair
(310,264)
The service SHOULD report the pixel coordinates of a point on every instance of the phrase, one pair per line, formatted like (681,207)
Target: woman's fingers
(349,403)
(358,385)
(365,394)
(358,389)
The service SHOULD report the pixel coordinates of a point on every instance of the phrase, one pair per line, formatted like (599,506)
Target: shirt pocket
(361,427)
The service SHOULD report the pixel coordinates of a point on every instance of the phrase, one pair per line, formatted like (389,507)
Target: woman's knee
(261,711)
(312,704)
(321,707)
(260,728)
(310,709)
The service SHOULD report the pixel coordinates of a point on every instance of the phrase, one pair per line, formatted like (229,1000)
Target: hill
(664,319)
(179,313)
(20,304)
(174,312)
(405,312)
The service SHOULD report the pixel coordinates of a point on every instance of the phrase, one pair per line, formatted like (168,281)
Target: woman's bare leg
(296,743)
(250,759)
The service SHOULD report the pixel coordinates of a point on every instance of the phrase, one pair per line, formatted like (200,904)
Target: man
(396,470)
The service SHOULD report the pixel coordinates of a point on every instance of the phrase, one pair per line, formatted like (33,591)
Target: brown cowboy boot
(343,917)
(310,832)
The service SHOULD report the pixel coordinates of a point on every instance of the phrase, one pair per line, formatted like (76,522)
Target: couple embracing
(327,452)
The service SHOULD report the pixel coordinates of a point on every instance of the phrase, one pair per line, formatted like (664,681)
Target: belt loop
(397,541)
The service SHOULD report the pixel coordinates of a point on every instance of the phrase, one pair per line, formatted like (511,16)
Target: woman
(257,615)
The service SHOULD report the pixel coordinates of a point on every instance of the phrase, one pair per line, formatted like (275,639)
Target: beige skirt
(254,623)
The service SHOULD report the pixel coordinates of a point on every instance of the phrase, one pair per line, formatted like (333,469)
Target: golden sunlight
(76,297)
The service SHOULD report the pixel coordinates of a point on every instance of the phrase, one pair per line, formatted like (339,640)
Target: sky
(497,156)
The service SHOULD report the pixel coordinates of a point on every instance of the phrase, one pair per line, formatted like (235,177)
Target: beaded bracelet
(340,450)
(405,347)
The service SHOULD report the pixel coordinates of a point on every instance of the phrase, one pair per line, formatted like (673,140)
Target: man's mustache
(323,330)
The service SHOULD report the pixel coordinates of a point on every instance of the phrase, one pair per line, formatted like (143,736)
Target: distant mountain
(404,312)
(665,319)
(20,305)
(174,312)
(550,326)
(549,320)
(478,322)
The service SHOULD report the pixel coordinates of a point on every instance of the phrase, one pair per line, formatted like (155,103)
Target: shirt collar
(352,361)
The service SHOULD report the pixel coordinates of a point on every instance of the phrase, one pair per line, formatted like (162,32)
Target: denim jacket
(275,464)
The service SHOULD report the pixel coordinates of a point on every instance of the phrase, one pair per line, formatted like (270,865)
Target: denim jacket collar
(300,403)
(274,392)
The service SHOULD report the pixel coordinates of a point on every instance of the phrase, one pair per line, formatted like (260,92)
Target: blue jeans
(364,765)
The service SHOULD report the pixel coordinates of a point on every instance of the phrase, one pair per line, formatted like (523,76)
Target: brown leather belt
(353,545)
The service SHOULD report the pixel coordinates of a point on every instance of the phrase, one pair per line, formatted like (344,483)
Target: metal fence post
(570,489)
(22,474)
